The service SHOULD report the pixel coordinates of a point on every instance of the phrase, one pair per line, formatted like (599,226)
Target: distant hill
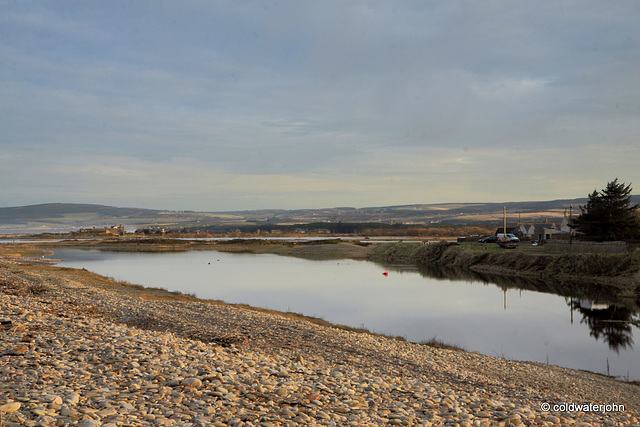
(446,213)
(58,217)
(50,212)
(62,217)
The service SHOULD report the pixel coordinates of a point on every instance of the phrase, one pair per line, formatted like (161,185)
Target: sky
(237,105)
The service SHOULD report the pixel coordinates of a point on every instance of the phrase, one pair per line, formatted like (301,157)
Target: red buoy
(386,273)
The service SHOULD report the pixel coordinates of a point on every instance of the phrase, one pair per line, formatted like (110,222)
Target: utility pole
(570,221)
(504,228)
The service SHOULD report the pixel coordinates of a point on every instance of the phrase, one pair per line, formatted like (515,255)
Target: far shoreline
(620,272)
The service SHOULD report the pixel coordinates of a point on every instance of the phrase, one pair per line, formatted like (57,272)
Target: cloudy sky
(243,104)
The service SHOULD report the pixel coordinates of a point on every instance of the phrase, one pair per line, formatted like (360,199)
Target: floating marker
(386,273)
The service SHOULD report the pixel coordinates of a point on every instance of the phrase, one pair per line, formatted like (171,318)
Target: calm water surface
(510,323)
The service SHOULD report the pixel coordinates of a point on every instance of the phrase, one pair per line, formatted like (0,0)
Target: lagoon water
(478,316)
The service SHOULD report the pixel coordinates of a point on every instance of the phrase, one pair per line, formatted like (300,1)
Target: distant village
(531,232)
(541,232)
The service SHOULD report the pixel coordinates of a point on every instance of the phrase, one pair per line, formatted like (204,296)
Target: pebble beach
(79,351)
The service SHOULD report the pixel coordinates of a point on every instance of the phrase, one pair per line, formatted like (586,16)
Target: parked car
(510,237)
(489,239)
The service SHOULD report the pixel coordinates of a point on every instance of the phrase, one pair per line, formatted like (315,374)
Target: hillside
(453,213)
(59,217)
(63,212)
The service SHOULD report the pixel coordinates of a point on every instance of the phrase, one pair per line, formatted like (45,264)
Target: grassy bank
(621,267)
(317,250)
(615,275)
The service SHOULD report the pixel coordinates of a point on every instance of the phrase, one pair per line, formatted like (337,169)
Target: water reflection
(613,322)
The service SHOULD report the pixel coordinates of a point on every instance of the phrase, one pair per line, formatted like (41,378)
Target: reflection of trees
(613,324)
(567,288)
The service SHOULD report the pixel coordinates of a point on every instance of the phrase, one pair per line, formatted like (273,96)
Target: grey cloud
(288,87)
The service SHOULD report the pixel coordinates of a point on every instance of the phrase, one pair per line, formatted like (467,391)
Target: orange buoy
(386,273)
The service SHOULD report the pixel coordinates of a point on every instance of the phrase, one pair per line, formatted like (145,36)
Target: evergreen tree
(609,215)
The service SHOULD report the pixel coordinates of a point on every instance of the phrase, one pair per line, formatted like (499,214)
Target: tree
(609,215)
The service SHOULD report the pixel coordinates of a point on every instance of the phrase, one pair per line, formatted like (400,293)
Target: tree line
(609,215)
(359,228)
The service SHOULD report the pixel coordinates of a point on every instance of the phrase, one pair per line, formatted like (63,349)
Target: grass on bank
(524,247)
(437,343)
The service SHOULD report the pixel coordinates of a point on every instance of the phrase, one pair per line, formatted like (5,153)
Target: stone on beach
(9,408)
(191,382)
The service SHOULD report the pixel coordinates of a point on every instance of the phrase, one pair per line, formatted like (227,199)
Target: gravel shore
(80,351)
